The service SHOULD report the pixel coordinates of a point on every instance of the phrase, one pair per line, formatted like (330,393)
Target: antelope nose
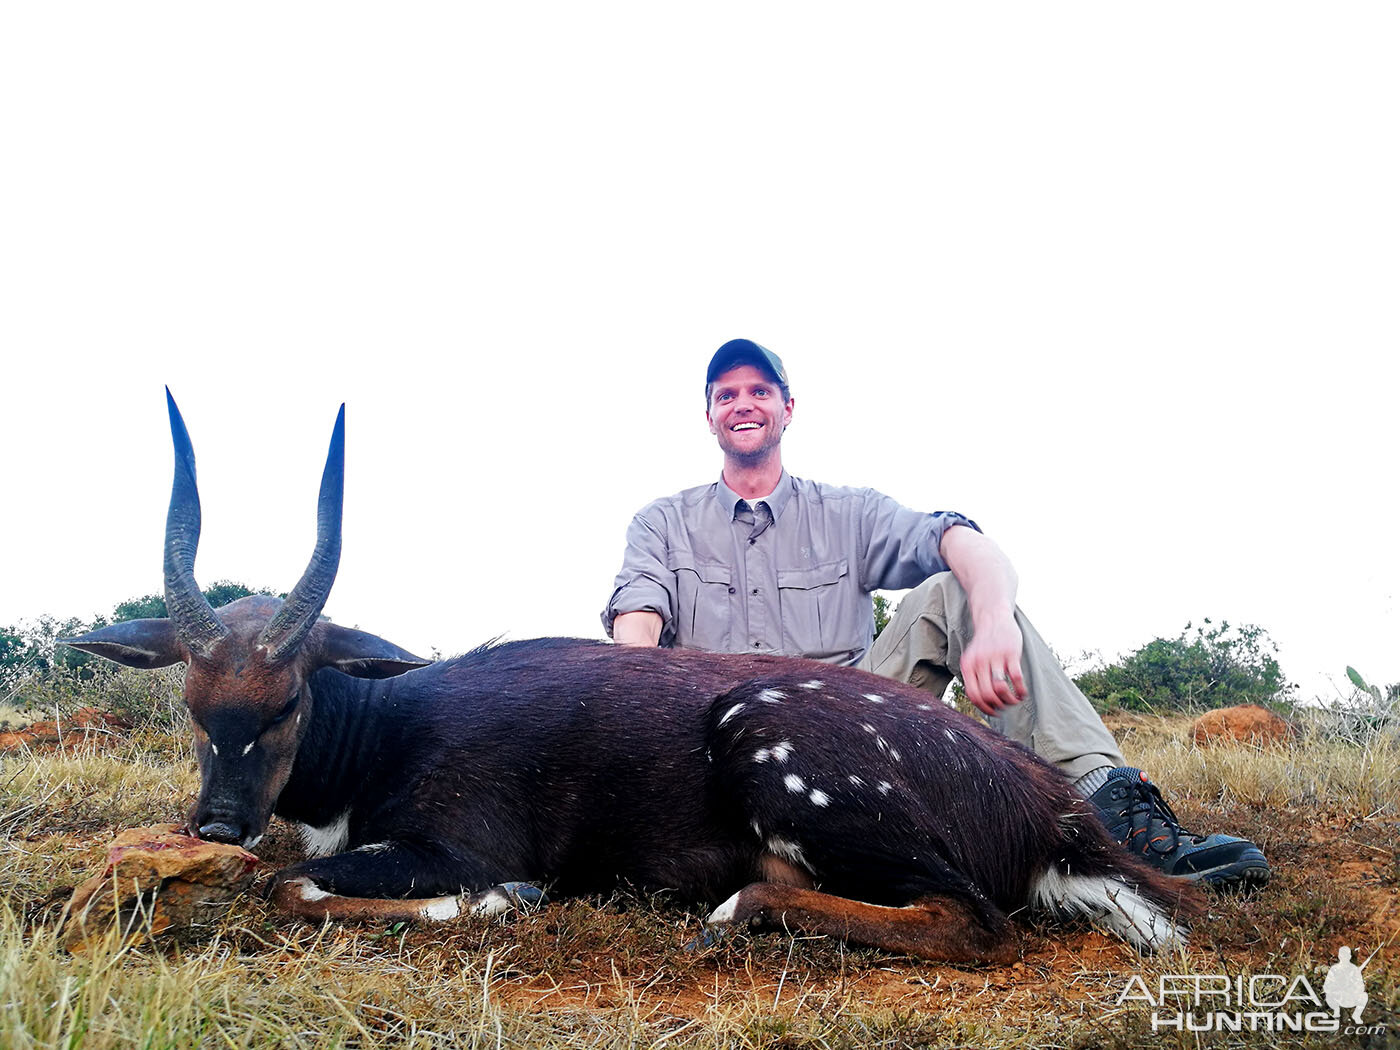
(218,831)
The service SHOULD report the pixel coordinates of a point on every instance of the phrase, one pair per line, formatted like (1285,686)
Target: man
(761,561)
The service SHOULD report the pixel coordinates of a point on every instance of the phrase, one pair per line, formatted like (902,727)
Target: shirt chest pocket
(818,612)
(703,590)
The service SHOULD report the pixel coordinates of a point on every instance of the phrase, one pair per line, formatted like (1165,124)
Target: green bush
(1212,666)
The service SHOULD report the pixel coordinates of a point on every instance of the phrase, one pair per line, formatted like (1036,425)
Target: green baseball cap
(745,351)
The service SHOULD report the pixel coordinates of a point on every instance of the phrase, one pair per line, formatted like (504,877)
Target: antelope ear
(135,643)
(362,654)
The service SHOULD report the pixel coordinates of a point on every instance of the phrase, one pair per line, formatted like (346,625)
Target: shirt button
(734,590)
(755,590)
(753,541)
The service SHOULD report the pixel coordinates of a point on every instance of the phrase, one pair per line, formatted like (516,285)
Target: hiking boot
(1137,816)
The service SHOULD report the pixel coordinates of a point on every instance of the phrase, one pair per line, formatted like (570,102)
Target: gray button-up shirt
(790,574)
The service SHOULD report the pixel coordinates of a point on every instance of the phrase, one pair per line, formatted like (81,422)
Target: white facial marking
(249,747)
(813,684)
(322,842)
(441,909)
(731,713)
(875,698)
(795,784)
(884,787)
(782,749)
(772,696)
(819,797)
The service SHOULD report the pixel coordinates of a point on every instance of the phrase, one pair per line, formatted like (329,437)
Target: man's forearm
(637,628)
(986,574)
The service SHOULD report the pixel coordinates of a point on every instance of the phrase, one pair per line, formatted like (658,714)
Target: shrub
(1214,666)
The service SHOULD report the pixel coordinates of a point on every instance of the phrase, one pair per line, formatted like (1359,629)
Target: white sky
(1119,281)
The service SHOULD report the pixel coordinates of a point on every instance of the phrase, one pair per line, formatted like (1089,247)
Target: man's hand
(637,628)
(991,666)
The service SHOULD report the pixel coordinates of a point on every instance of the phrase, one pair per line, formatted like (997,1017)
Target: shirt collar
(729,500)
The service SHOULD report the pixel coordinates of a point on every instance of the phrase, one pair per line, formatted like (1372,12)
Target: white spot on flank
(214,748)
(756,829)
(761,755)
(249,747)
(867,727)
(322,842)
(925,707)
(884,787)
(875,698)
(772,696)
(794,783)
(374,847)
(731,713)
(782,749)
(950,735)
(819,798)
(856,781)
(441,909)
(813,684)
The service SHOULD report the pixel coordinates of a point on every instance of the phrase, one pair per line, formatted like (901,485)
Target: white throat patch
(322,842)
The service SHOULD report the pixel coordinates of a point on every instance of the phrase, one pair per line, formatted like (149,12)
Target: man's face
(747,413)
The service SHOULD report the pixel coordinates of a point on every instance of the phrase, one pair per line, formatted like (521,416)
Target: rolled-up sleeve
(644,584)
(902,545)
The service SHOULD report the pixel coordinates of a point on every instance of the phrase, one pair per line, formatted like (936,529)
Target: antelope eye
(287,709)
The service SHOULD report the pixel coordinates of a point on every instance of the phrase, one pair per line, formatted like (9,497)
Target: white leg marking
(440,909)
(725,912)
(309,890)
(493,902)
(1117,905)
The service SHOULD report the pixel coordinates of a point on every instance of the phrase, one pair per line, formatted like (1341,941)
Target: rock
(156,880)
(1247,723)
(86,728)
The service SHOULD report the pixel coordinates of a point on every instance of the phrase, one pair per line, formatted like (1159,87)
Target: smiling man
(763,562)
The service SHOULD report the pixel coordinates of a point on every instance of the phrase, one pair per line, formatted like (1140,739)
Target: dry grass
(616,973)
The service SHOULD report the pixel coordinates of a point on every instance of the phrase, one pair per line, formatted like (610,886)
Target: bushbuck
(799,794)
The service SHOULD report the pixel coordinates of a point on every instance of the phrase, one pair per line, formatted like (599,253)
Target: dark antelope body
(800,794)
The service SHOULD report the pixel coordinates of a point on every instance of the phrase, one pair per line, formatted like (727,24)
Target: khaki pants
(923,643)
